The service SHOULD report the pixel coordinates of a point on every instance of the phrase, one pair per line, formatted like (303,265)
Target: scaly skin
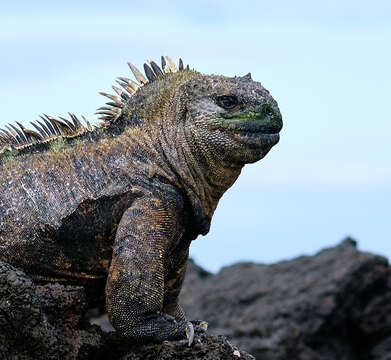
(124,201)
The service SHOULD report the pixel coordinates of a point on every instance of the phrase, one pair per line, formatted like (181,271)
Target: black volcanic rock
(334,305)
(47,322)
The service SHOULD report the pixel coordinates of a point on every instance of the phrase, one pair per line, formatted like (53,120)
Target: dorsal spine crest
(50,128)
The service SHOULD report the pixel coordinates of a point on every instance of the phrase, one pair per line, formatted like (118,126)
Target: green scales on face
(115,207)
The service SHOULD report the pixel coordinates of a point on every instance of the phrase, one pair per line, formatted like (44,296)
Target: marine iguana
(119,204)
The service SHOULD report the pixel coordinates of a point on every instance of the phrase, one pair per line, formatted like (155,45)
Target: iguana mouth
(265,120)
(255,136)
(251,126)
(254,128)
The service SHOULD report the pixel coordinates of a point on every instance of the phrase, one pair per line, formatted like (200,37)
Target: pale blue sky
(328,64)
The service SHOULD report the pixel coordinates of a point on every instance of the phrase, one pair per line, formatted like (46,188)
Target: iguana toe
(190,332)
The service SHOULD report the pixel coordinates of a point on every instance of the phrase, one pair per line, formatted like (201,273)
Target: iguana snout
(263,119)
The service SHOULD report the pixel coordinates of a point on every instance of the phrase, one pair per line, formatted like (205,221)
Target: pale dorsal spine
(152,71)
(50,128)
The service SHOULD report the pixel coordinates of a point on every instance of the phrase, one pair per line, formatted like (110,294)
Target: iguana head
(236,118)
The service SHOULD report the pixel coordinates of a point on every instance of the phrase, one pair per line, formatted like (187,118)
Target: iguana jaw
(254,138)
(260,126)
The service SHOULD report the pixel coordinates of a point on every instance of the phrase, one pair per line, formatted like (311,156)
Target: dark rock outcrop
(25,332)
(47,322)
(334,305)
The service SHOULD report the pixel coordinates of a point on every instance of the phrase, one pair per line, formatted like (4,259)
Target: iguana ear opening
(247,76)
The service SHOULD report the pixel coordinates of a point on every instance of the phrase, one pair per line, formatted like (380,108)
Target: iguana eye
(227,101)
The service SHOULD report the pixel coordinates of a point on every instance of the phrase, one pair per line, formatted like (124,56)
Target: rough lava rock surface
(334,305)
(47,322)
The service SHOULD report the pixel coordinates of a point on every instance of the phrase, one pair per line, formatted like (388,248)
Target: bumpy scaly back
(112,111)
(50,128)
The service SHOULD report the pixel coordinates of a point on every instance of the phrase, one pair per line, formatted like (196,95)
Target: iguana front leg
(135,290)
(175,274)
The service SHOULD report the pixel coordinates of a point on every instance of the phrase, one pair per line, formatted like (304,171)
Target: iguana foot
(145,328)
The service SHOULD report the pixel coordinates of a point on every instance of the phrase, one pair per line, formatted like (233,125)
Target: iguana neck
(210,183)
(196,170)
(211,175)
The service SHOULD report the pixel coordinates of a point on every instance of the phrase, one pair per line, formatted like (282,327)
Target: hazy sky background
(327,63)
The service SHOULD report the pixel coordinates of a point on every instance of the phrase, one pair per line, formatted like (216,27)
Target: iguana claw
(190,332)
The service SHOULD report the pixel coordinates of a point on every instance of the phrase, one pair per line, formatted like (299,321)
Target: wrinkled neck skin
(186,161)
(200,171)
(212,175)
(180,155)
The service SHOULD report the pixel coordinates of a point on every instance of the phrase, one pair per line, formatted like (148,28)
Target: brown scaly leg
(136,281)
(175,274)
(176,269)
